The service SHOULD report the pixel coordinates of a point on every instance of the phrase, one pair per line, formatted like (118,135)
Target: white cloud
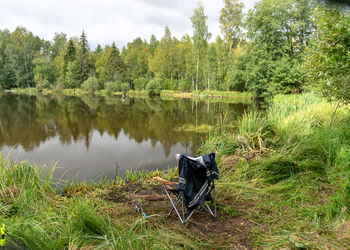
(106,21)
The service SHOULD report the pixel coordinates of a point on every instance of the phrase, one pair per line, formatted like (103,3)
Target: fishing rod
(138,206)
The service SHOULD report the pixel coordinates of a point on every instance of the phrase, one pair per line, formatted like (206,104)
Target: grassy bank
(99,216)
(238,96)
(288,172)
(233,96)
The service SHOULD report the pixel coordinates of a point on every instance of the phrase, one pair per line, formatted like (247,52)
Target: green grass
(291,169)
(137,93)
(39,216)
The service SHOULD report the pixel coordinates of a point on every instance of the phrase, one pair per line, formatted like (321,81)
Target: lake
(85,136)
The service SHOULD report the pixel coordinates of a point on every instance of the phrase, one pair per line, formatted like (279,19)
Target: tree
(231,21)
(44,70)
(113,67)
(69,55)
(83,59)
(273,54)
(135,59)
(163,63)
(328,60)
(7,76)
(21,51)
(58,45)
(200,33)
(90,85)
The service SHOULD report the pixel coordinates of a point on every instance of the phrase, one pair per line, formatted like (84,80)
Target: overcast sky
(105,21)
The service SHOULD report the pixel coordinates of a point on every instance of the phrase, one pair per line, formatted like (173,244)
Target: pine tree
(69,55)
(114,67)
(83,59)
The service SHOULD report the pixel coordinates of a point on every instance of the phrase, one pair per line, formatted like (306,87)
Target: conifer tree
(69,55)
(83,59)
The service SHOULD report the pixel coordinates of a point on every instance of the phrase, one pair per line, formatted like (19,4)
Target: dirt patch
(122,194)
(225,231)
(233,232)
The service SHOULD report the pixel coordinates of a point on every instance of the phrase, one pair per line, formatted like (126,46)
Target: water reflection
(82,133)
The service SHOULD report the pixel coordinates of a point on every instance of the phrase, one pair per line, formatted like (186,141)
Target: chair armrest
(157,178)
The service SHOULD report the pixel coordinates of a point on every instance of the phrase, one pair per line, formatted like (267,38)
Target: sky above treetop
(105,21)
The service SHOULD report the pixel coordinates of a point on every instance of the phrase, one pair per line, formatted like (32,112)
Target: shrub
(90,85)
(112,87)
(125,87)
(184,85)
(169,84)
(154,87)
(41,83)
(140,83)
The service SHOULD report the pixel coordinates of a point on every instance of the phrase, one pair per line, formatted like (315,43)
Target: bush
(90,85)
(125,87)
(154,87)
(184,85)
(58,88)
(140,83)
(41,83)
(169,84)
(112,87)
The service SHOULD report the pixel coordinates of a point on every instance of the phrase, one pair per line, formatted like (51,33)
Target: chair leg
(176,203)
(215,212)
(174,207)
(183,208)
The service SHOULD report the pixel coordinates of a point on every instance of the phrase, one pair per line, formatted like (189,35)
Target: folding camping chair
(195,188)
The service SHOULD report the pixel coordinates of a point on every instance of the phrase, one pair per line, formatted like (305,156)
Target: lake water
(85,136)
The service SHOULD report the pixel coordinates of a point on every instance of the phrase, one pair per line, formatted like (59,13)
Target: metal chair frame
(171,187)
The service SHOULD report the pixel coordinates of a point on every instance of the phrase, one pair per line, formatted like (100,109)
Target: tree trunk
(208,82)
(192,83)
(197,74)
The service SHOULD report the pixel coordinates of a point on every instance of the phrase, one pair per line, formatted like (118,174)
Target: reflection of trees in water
(29,120)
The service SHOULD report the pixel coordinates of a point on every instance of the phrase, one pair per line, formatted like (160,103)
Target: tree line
(279,46)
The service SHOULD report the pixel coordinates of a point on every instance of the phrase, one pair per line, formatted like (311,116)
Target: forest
(276,48)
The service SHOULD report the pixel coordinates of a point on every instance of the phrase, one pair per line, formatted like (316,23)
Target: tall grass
(39,216)
(289,161)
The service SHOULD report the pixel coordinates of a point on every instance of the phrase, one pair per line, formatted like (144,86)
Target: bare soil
(225,231)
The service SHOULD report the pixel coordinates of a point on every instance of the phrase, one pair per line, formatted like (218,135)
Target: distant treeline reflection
(29,120)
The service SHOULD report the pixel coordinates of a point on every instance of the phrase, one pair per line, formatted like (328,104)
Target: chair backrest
(195,176)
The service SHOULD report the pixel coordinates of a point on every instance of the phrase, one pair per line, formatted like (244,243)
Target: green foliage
(83,59)
(109,66)
(184,85)
(328,59)
(169,84)
(200,34)
(112,87)
(154,87)
(91,85)
(278,31)
(125,87)
(140,83)
(20,54)
(231,21)
(44,71)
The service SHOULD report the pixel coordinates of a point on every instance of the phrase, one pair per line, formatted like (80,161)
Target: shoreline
(244,97)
